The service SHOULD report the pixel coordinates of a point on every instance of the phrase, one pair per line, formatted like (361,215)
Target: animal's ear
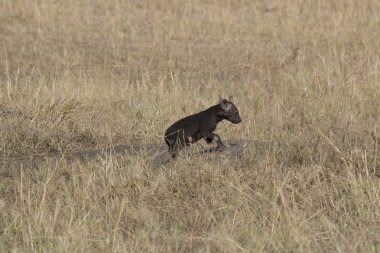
(222,100)
(224,104)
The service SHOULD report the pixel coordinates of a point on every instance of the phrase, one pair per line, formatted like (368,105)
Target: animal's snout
(236,120)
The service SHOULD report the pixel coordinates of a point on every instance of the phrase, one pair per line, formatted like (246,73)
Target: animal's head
(229,111)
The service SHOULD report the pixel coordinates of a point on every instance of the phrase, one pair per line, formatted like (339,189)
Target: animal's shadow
(158,153)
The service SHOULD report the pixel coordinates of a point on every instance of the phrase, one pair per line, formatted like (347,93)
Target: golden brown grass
(85,74)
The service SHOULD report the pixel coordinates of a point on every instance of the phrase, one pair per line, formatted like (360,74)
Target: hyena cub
(201,125)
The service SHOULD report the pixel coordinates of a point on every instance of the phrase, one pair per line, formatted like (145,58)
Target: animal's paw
(220,148)
(208,140)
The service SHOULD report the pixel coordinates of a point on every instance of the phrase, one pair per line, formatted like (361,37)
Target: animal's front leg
(220,146)
(209,137)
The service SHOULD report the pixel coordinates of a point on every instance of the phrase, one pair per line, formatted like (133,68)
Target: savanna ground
(77,75)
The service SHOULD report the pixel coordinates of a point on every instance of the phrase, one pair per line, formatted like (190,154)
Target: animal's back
(185,124)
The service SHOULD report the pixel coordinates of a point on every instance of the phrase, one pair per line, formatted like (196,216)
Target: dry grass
(84,74)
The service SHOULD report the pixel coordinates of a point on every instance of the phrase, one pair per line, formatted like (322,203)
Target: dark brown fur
(201,126)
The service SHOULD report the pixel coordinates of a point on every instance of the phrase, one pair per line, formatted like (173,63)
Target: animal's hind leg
(174,148)
(177,143)
(167,143)
(174,153)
